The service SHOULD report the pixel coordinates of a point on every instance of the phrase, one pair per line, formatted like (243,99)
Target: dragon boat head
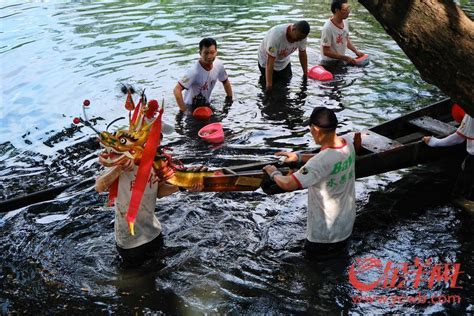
(129,142)
(121,145)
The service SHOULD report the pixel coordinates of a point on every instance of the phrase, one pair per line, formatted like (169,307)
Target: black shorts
(282,75)
(325,249)
(134,257)
(465,182)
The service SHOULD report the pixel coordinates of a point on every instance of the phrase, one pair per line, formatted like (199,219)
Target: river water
(224,252)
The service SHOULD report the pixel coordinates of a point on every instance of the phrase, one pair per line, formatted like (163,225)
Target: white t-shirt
(198,80)
(147,226)
(330,179)
(334,37)
(466,130)
(276,45)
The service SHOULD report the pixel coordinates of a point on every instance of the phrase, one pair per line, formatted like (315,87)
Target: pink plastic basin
(319,73)
(362,61)
(212,133)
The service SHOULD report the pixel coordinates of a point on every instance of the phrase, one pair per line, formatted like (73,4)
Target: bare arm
(287,183)
(330,53)
(165,189)
(227,88)
(303,61)
(353,48)
(178,94)
(269,72)
(294,157)
(105,180)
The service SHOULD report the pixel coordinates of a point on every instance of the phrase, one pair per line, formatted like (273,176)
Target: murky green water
(227,252)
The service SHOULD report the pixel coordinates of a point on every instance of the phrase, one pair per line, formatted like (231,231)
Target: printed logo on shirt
(342,172)
(205,86)
(151,180)
(343,165)
(283,53)
(339,39)
(304,170)
(272,50)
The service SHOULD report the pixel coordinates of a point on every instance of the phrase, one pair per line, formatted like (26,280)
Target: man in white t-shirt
(335,36)
(200,79)
(147,238)
(330,178)
(465,184)
(275,50)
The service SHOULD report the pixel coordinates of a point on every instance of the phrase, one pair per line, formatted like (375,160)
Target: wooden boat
(393,145)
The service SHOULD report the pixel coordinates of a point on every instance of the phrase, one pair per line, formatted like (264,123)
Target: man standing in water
(335,36)
(200,79)
(148,238)
(465,183)
(275,50)
(330,178)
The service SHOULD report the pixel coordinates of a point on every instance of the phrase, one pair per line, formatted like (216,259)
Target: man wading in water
(330,178)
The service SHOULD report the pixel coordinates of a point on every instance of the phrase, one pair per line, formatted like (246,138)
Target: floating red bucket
(362,61)
(319,73)
(202,113)
(212,133)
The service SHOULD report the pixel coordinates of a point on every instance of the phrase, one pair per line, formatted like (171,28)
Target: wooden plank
(433,126)
(377,143)
(410,138)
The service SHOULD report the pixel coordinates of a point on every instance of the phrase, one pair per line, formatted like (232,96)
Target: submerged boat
(393,145)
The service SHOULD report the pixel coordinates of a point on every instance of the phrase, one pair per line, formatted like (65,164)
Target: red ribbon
(113,192)
(144,170)
(137,110)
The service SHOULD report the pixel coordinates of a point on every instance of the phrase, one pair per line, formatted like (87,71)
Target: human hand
(182,108)
(359,53)
(269,169)
(228,100)
(127,165)
(290,157)
(426,139)
(349,60)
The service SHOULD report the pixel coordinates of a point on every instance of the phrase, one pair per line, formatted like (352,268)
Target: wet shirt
(330,179)
(199,80)
(276,45)
(147,226)
(334,37)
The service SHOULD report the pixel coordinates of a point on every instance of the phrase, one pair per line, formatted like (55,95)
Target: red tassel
(144,170)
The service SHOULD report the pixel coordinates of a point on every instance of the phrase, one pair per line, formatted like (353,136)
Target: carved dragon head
(129,142)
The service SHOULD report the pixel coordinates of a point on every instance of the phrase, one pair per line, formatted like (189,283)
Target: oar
(40,196)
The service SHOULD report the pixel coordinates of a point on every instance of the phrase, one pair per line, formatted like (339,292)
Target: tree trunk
(438,38)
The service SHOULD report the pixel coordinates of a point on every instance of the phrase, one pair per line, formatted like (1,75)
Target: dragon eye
(123,140)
